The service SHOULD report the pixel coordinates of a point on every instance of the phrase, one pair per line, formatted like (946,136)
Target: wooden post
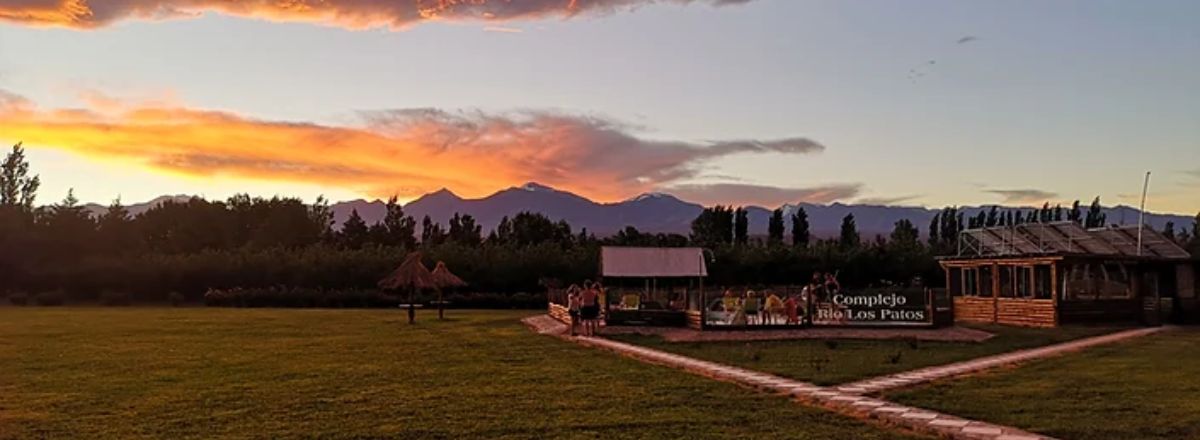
(995,292)
(1054,282)
(1031,271)
(962,281)
(1054,293)
(929,308)
(412,310)
(441,305)
(947,270)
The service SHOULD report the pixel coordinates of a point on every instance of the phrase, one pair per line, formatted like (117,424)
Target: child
(730,304)
(774,307)
(792,307)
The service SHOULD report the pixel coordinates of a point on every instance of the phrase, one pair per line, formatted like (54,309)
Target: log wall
(1023,312)
(1026,312)
(974,309)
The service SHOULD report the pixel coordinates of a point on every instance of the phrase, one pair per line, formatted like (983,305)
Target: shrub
(51,298)
(284,296)
(522,301)
(19,299)
(176,299)
(297,297)
(115,298)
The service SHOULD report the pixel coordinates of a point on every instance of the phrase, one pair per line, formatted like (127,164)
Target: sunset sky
(717,101)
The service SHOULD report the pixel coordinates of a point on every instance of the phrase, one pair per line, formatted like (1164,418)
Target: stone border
(670,334)
(850,404)
(929,374)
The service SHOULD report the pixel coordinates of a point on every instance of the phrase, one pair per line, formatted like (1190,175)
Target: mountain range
(652,212)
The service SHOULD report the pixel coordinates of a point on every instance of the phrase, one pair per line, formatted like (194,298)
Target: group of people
(769,308)
(583,305)
(748,308)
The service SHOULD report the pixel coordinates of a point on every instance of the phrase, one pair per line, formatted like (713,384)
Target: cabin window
(1042,284)
(1114,282)
(1008,284)
(1097,281)
(985,281)
(1023,281)
(970,281)
(1185,282)
(1076,282)
(955,283)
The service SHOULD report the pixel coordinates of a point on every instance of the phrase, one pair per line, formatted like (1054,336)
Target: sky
(759,102)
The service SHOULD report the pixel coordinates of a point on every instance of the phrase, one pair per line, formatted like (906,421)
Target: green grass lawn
(203,372)
(1146,388)
(835,362)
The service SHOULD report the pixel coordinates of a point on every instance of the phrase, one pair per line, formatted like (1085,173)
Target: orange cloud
(357,14)
(405,152)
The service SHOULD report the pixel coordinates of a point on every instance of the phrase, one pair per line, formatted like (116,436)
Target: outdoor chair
(631,301)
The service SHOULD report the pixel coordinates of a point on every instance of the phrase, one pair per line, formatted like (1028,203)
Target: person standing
(601,297)
(791,306)
(590,308)
(772,307)
(574,303)
(730,303)
(832,285)
(750,306)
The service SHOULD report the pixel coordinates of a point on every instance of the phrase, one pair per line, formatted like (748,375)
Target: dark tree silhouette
(17,188)
(775,228)
(1095,217)
(905,235)
(849,238)
(741,226)
(800,233)
(934,225)
(354,231)
(463,230)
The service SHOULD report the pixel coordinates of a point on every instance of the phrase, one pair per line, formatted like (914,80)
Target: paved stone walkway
(851,404)
(923,375)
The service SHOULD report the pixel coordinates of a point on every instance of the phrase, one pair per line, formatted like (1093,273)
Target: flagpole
(1142,213)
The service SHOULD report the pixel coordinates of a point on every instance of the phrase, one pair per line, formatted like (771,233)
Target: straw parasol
(411,275)
(444,278)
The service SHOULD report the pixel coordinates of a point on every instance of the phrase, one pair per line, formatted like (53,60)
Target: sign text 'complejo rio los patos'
(874,308)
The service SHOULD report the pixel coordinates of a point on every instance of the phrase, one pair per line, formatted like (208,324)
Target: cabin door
(1152,310)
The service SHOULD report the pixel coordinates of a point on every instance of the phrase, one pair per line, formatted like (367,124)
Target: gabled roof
(646,262)
(1067,238)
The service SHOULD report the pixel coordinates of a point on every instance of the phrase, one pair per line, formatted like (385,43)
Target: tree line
(179,249)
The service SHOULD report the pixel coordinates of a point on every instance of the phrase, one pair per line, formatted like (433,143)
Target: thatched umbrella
(444,278)
(411,275)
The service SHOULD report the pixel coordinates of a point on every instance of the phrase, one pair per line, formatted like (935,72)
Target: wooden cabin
(654,286)
(1047,274)
(646,286)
